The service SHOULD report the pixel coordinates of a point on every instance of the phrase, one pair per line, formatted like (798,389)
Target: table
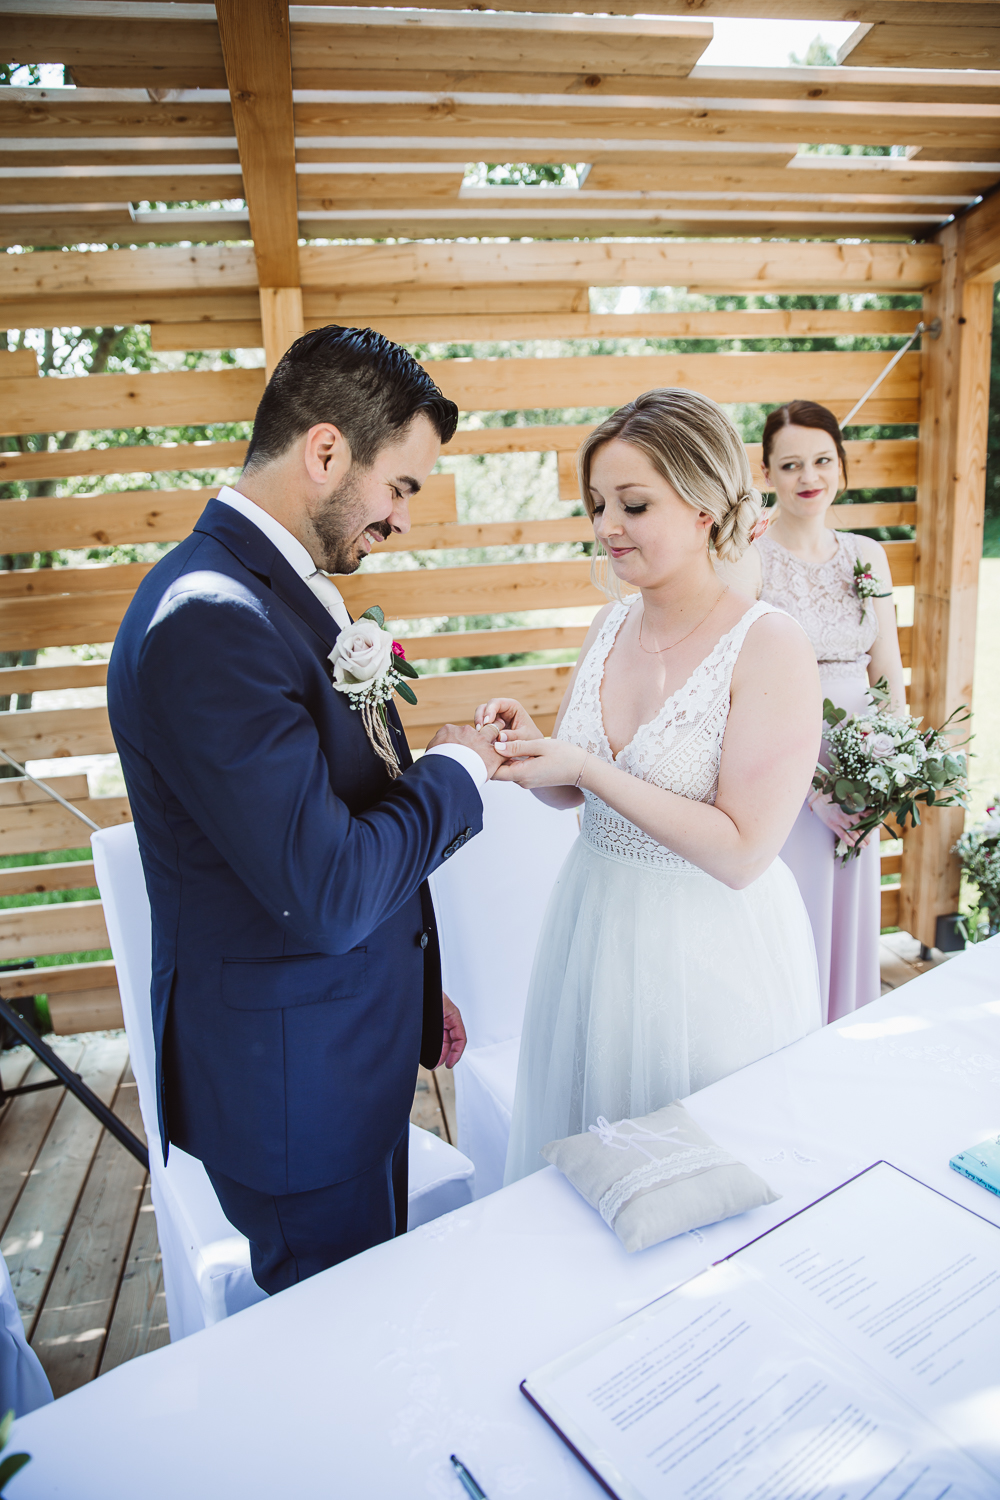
(359,1383)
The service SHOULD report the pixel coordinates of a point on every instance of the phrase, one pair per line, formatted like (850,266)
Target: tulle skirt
(649,984)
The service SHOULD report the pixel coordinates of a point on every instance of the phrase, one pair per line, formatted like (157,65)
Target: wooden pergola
(346,133)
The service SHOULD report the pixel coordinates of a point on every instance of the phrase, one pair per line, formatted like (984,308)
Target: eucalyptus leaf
(406,693)
(11,1466)
(375,614)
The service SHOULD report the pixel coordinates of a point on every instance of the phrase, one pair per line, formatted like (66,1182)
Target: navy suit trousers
(295,1235)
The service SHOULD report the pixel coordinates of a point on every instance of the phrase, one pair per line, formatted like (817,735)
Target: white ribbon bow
(612,1135)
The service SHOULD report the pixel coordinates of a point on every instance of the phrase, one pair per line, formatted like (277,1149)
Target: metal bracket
(64,1075)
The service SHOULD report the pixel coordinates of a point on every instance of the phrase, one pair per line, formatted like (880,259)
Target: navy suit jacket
(295,959)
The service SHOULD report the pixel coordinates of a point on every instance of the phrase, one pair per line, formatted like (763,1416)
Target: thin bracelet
(586,757)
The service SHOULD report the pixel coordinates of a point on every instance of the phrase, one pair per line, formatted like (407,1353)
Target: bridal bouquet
(882,766)
(369,666)
(979,851)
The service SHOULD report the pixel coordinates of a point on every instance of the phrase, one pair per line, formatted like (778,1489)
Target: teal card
(981,1163)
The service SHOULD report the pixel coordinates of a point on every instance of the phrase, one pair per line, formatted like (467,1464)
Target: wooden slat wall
(41,608)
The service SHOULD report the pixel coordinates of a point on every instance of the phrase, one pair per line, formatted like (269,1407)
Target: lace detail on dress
(679,750)
(821,596)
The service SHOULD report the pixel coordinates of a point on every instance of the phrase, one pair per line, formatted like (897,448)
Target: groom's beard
(340,526)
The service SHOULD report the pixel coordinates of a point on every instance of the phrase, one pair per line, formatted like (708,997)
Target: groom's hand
(480,740)
(453,1044)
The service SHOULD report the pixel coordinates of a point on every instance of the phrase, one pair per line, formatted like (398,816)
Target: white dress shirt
(328,594)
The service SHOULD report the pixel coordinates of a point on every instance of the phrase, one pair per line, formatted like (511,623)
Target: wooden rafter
(254,37)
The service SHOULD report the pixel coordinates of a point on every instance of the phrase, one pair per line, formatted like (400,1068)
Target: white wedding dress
(652,978)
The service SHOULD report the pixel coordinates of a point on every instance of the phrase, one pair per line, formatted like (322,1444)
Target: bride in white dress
(676,948)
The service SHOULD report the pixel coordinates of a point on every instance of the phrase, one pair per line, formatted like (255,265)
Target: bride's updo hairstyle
(692,444)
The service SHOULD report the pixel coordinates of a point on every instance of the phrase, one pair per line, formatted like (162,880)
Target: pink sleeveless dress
(843,901)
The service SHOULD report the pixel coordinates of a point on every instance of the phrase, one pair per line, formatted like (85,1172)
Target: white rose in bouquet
(881,746)
(362,653)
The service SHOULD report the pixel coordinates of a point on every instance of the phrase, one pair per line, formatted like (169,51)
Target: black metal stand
(68,1079)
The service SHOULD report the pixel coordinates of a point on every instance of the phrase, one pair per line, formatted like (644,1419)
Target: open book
(851,1353)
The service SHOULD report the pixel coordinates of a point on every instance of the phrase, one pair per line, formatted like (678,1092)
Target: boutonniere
(867,586)
(369,666)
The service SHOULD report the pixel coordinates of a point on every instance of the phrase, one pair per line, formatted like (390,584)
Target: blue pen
(474,1490)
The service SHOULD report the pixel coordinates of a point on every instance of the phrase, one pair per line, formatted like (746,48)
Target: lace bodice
(822,597)
(679,750)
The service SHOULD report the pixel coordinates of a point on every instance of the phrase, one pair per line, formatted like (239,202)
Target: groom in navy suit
(296,974)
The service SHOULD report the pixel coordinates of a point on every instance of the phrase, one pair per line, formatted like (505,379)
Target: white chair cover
(24,1385)
(206,1261)
(490,899)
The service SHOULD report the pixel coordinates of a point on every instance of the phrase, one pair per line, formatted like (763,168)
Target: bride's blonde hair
(694,446)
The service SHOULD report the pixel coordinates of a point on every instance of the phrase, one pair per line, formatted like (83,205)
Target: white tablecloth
(359,1383)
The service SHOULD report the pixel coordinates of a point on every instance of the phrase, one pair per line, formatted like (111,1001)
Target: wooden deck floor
(77,1227)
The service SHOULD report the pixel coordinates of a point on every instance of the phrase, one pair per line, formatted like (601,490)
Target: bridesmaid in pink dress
(807,569)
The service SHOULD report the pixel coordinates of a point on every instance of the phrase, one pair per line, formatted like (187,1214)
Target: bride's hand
(836,819)
(510,718)
(540,762)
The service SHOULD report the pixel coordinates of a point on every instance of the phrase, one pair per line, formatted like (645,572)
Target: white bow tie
(330,597)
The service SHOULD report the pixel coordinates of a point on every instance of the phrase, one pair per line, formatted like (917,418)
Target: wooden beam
(982,240)
(85,1010)
(96,974)
(357,276)
(207,271)
(951,491)
(154,50)
(127,517)
(924,44)
(66,185)
(889,175)
(458,643)
(66,927)
(453,696)
(386,44)
(85,224)
(965,12)
(722,267)
(834,378)
(39,827)
(176,397)
(81,674)
(256,50)
(159,400)
(35,113)
(18,364)
(148,458)
(281,321)
(461,327)
(491,116)
(24,880)
(554,224)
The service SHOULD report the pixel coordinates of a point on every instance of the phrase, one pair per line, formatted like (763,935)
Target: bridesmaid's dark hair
(804,414)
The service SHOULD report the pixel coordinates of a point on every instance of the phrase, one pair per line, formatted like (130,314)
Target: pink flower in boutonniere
(867,586)
(397,650)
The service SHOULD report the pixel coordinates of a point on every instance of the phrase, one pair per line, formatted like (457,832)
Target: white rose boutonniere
(369,666)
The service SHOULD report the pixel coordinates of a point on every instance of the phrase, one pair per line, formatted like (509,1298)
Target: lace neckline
(663,712)
(800,561)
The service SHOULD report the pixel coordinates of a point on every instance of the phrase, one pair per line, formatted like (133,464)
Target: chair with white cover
(490,898)
(206,1261)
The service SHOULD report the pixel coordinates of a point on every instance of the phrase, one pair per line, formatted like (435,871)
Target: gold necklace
(659,650)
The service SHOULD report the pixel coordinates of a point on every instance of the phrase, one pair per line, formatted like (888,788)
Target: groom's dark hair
(355,378)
